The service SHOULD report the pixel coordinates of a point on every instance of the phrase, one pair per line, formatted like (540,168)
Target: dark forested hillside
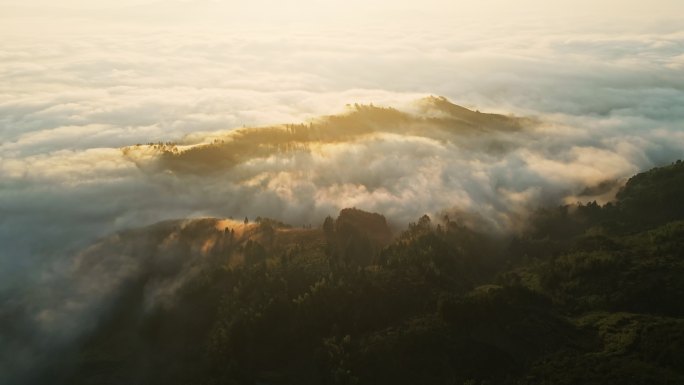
(588,294)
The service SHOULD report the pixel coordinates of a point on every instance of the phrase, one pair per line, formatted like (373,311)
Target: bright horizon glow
(315,12)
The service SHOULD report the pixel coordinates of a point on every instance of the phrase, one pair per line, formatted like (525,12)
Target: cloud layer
(70,99)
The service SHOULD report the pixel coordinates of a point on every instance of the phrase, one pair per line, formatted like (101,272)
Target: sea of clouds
(609,99)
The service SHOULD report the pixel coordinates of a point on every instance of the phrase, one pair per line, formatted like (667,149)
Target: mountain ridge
(436,118)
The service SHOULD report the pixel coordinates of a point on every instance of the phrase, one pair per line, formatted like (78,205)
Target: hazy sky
(426,12)
(614,7)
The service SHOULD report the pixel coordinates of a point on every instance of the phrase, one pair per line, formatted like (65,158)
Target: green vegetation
(588,294)
(437,119)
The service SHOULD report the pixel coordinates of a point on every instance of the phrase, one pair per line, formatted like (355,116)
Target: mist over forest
(525,281)
(341,192)
(347,301)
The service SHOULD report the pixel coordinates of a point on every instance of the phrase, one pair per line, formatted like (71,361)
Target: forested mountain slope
(588,294)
